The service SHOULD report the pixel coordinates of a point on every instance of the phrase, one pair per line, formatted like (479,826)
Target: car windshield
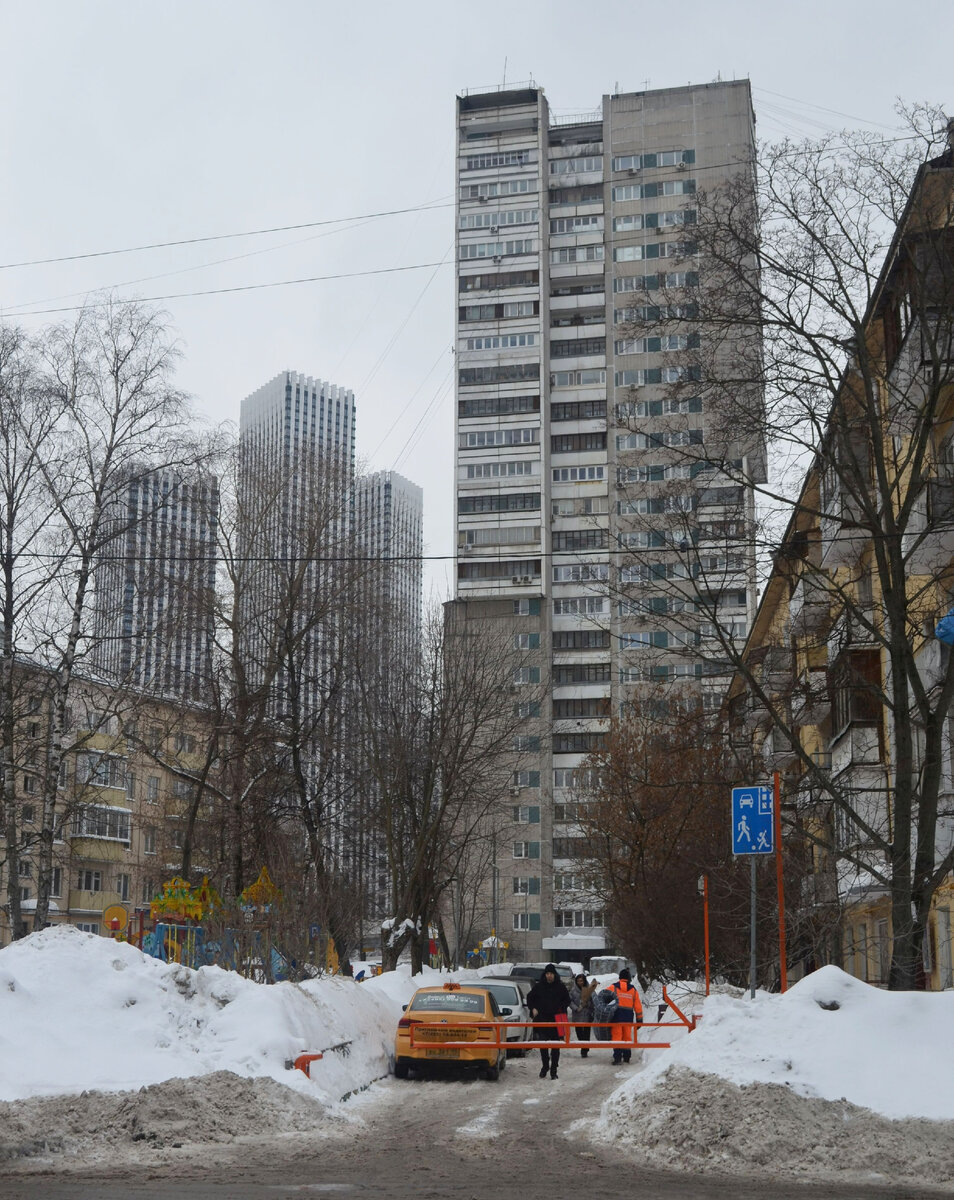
(447,1002)
(504,993)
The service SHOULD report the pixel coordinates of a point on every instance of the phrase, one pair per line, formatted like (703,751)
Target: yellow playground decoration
(262,894)
(180,901)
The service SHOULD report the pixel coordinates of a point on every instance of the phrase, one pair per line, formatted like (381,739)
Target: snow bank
(79,1012)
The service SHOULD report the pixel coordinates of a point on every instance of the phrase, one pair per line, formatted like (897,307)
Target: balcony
(811,699)
(777,750)
(772,666)
(808,607)
(928,541)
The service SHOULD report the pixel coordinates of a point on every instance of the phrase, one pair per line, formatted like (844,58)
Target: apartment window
(581,673)
(25,868)
(526,608)
(152,788)
(526,742)
(503,158)
(577,254)
(502,373)
(122,887)
(502,187)
(581,606)
(580,639)
(526,641)
(89,881)
(576,777)
(522,675)
(527,709)
(29,785)
(856,690)
(576,443)
(498,280)
(649,191)
(24,894)
(572,847)
(131,785)
(564,881)
(587,193)
(504,341)
(578,474)
(574,166)
(185,742)
(526,885)
(593,706)
(148,840)
(655,345)
(88,926)
(569,814)
(581,573)
(521,568)
(577,743)
(578,347)
(483,438)
(589,377)
(526,849)
(497,249)
(588,224)
(663,158)
(527,814)
(28,814)
(492,220)
(577,918)
(499,502)
(56,884)
(580,539)
(526,921)
(581,410)
(148,891)
(498,406)
(497,312)
(501,470)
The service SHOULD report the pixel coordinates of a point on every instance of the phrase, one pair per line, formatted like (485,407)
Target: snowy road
(439,1138)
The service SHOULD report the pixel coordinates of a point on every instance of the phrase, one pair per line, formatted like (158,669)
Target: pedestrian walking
(546,1000)
(627,1014)
(581,1007)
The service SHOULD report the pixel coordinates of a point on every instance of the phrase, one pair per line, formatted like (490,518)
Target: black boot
(554,1063)
(545,1060)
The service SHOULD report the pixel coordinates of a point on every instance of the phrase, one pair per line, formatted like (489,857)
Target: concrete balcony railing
(928,541)
(809,605)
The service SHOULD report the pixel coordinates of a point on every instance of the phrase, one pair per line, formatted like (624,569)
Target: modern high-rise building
(389,538)
(154,583)
(583,487)
(295,499)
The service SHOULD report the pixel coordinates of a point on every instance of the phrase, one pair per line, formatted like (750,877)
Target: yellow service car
(452,1013)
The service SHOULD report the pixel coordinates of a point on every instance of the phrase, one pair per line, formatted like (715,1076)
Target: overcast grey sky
(127,123)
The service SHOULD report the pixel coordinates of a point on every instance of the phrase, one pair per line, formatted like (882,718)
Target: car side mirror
(403,1008)
(506,1012)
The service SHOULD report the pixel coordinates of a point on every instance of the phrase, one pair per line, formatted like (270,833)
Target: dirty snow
(834,1078)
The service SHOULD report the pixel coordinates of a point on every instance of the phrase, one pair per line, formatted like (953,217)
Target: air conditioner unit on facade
(682,166)
(481,199)
(516,579)
(633,171)
(525,579)
(498,258)
(495,229)
(514,791)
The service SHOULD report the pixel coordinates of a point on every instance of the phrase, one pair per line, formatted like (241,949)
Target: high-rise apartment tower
(581,469)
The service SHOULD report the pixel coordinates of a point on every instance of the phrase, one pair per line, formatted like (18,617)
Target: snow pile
(834,1076)
(79,1012)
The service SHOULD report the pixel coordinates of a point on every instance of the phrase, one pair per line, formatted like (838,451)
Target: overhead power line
(219,237)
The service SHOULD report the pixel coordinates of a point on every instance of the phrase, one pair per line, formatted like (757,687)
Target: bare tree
(821,327)
(103,408)
(439,741)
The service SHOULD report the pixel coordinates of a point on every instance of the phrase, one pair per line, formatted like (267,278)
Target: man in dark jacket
(547,999)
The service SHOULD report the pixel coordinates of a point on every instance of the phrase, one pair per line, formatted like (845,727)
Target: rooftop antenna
(505,74)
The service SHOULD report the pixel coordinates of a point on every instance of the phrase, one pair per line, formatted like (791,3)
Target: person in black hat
(547,999)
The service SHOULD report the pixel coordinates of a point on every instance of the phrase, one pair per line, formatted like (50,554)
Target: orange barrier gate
(684,1022)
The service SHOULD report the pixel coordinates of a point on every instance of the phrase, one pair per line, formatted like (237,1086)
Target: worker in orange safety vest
(627,1015)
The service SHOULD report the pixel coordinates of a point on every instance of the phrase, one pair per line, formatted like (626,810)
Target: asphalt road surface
(454,1138)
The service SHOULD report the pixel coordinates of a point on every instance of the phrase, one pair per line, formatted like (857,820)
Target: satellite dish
(115,918)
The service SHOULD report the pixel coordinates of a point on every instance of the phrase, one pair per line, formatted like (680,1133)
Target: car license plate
(444,1035)
(442,1052)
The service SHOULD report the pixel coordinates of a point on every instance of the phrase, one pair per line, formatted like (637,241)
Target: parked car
(510,992)
(534,971)
(453,1013)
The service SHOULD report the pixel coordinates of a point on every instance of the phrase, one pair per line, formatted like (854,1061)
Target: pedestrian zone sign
(753,820)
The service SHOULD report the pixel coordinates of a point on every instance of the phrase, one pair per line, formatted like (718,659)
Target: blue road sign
(753,820)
